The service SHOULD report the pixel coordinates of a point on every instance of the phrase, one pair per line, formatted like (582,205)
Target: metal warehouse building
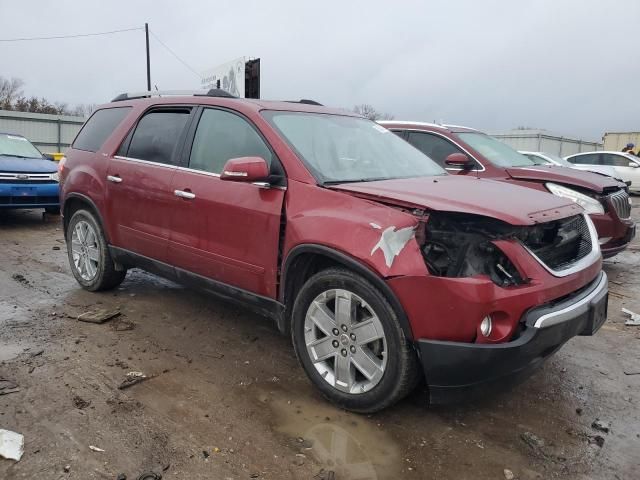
(545,141)
(50,133)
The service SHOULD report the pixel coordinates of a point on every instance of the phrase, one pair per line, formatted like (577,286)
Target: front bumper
(29,195)
(454,369)
(619,231)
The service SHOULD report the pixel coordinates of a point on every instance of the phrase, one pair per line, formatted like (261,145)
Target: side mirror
(459,160)
(245,169)
(633,164)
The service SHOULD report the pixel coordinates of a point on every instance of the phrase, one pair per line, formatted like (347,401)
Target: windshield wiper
(11,155)
(356,180)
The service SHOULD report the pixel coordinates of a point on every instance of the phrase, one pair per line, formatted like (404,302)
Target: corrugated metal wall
(541,142)
(616,141)
(50,133)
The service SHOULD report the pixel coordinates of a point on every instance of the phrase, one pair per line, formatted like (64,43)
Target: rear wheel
(350,343)
(89,257)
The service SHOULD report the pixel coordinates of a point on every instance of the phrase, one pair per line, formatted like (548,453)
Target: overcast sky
(570,66)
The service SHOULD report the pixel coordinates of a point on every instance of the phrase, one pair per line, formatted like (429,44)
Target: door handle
(114,179)
(184,194)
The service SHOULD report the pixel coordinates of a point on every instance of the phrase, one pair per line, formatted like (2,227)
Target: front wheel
(89,257)
(350,343)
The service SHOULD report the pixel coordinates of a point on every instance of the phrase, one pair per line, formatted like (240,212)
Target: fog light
(485,326)
(603,240)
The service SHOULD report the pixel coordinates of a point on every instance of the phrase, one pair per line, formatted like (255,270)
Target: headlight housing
(590,205)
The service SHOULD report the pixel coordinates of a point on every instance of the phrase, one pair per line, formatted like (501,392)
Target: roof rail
(306,101)
(214,92)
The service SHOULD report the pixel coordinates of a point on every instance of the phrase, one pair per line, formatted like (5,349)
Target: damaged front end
(461,245)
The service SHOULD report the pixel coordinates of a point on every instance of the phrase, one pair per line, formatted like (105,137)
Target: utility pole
(146,34)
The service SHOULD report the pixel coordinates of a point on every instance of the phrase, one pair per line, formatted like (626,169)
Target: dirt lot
(228,400)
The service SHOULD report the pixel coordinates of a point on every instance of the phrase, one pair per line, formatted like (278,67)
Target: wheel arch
(304,260)
(75,201)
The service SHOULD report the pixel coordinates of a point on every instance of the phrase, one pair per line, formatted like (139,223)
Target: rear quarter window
(98,128)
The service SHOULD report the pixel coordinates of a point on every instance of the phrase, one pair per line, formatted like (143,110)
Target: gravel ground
(225,397)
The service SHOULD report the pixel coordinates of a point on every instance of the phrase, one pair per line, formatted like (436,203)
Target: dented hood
(510,203)
(567,176)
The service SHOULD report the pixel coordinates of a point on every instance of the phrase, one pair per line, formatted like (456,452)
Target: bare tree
(10,91)
(12,98)
(371,113)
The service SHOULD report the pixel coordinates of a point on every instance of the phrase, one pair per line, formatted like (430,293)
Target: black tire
(52,210)
(106,277)
(401,373)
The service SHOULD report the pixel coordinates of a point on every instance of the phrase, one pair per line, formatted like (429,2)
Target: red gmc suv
(469,152)
(378,263)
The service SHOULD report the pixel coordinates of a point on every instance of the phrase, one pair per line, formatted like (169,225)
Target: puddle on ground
(353,446)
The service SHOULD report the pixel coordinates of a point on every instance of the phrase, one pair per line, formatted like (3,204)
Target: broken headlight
(457,245)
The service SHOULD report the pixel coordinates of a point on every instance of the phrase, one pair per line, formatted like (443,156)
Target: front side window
(614,160)
(98,128)
(339,148)
(221,136)
(494,150)
(17,146)
(435,147)
(156,136)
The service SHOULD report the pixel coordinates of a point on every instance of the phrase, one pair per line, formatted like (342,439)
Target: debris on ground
(95,449)
(325,475)
(532,440)
(632,372)
(634,318)
(98,316)
(150,476)
(20,278)
(508,474)
(80,402)
(597,439)
(7,386)
(67,468)
(132,378)
(11,445)
(121,476)
(601,426)
(37,353)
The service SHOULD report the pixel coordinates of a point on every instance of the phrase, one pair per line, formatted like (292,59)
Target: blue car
(27,178)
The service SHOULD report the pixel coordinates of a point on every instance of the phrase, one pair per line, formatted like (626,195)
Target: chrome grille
(619,201)
(561,243)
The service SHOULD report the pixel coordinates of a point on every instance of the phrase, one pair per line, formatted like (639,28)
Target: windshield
(16,146)
(339,148)
(495,151)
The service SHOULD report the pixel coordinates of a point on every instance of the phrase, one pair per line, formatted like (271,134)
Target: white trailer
(616,141)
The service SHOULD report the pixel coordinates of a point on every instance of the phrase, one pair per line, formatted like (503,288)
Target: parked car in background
(374,260)
(543,158)
(27,179)
(625,166)
(468,152)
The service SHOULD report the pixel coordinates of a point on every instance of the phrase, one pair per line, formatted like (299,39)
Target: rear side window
(98,128)
(156,137)
(589,159)
(221,136)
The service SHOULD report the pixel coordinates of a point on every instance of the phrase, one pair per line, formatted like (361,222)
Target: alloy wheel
(85,250)
(345,341)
